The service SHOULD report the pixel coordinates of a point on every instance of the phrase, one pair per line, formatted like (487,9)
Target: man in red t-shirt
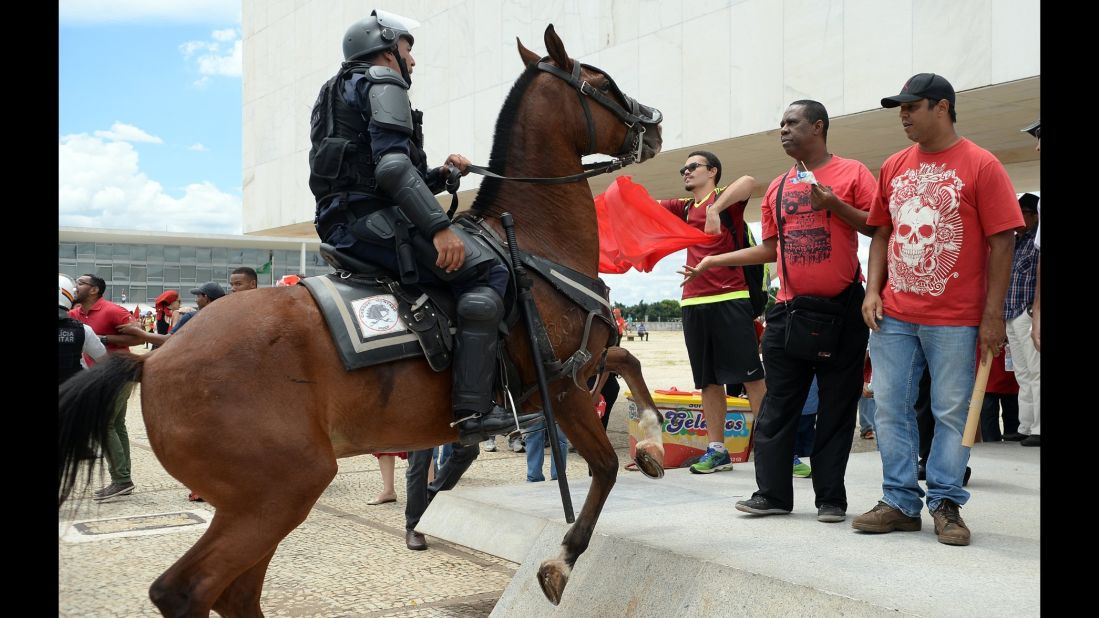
(716,309)
(104,317)
(946,217)
(817,256)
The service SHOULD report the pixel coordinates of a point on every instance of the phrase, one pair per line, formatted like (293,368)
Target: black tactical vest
(340,159)
(70,346)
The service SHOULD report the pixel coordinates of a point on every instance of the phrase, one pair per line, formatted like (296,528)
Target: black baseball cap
(210,289)
(1034,129)
(922,86)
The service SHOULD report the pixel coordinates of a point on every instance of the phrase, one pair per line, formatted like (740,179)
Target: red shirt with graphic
(713,281)
(821,249)
(942,206)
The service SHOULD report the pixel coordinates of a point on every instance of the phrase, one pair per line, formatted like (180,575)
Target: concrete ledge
(677,547)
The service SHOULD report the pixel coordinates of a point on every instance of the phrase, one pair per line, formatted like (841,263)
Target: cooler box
(684,427)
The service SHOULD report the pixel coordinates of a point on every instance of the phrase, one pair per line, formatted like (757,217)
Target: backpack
(753,273)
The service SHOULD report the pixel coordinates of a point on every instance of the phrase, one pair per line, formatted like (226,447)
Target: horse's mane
(501,139)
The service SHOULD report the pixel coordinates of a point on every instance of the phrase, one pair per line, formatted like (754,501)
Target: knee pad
(481,304)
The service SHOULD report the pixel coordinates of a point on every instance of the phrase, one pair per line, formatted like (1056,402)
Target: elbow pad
(397,177)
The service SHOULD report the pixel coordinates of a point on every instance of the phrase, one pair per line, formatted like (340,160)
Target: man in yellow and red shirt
(717,312)
(946,218)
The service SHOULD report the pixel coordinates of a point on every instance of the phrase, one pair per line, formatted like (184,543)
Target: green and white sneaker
(802,470)
(712,461)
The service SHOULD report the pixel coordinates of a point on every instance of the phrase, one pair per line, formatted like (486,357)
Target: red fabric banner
(635,231)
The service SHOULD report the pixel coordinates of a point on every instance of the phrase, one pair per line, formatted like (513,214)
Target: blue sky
(149,115)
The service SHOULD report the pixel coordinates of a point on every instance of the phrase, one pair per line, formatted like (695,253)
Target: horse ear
(529,58)
(557,50)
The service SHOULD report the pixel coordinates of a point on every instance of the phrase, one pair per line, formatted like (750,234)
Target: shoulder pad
(385,75)
(390,108)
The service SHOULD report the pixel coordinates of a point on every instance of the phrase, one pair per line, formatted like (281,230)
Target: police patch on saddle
(375,320)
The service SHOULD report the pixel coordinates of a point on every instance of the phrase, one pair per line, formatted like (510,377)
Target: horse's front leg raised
(649,452)
(577,418)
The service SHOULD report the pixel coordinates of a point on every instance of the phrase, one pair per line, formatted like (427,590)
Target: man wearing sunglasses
(717,313)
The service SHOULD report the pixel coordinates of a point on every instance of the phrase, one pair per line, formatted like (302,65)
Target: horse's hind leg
(241,598)
(586,433)
(226,566)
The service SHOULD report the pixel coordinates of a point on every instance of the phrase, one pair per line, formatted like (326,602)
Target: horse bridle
(633,118)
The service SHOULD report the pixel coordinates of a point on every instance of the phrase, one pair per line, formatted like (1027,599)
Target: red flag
(635,231)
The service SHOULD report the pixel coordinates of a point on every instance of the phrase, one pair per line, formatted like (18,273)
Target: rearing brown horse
(250,405)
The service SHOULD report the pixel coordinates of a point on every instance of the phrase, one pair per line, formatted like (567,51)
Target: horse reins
(633,143)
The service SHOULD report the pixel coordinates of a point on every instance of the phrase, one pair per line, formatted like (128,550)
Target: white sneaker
(489,445)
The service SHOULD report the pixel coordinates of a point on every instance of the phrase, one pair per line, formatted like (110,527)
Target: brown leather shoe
(949,525)
(414,540)
(884,518)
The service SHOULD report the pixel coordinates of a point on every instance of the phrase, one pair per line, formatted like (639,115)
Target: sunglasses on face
(690,167)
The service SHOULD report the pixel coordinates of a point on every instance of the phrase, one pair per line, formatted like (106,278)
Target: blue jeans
(899,352)
(536,444)
(867,407)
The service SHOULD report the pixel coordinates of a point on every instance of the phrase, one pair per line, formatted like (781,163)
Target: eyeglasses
(79,282)
(690,167)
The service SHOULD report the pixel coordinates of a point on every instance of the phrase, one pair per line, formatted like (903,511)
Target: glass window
(137,274)
(138,253)
(203,255)
(221,273)
(121,273)
(171,274)
(138,295)
(236,257)
(171,254)
(156,254)
(153,292)
(187,273)
(103,251)
(66,251)
(186,255)
(85,267)
(220,255)
(156,272)
(252,258)
(122,252)
(104,272)
(85,250)
(203,274)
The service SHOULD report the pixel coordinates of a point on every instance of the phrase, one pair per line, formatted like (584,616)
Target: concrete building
(721,71)
(143,264)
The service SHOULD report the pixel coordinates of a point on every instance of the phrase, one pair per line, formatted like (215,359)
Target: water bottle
(1008,365)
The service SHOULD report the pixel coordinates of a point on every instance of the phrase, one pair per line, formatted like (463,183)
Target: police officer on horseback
(375,201)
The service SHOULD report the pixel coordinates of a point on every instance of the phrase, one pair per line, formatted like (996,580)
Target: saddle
(375,319)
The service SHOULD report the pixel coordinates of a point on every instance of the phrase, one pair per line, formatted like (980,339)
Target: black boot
(474,369)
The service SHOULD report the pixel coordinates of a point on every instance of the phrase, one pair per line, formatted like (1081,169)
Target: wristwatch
(103,339)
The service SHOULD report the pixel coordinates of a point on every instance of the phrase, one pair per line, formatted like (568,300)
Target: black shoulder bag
(813,323)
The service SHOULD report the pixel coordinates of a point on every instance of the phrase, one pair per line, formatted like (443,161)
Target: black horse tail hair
(85,403)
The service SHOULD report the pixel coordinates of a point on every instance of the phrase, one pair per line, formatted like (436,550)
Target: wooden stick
(973,421)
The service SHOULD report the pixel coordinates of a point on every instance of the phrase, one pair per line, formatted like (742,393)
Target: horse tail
(85,403)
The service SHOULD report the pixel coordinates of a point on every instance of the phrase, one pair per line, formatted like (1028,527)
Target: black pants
(788,382)
(419,492)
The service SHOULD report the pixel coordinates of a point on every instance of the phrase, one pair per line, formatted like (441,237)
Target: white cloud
(223,55)
(122,132)
(144,11)
(102,186)
(197,147)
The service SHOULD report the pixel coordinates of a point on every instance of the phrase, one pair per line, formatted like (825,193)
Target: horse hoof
(648,465)
(553,575)
(649,457)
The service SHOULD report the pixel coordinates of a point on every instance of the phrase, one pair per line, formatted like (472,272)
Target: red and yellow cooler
(684,427)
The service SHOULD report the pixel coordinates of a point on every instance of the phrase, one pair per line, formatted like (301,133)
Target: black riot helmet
(376,33)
